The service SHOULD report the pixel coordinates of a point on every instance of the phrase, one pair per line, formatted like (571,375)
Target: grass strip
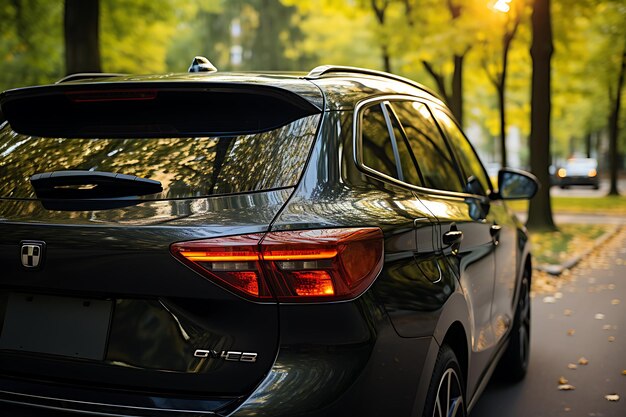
(582,205)
(553,248)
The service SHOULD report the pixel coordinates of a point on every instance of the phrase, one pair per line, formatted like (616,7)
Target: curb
(557,270)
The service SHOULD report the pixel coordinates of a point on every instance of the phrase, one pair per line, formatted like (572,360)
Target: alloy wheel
(449,401)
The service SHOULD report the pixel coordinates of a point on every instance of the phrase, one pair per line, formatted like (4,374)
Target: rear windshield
(186,167)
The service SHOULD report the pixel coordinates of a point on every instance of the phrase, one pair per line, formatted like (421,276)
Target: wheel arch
(454,330)
(456,338)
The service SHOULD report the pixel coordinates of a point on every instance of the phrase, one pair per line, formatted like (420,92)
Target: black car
(321,244)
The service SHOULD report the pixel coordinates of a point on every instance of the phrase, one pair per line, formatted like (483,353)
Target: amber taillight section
(290,266)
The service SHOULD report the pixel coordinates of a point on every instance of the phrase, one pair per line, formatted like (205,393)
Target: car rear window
(185,166)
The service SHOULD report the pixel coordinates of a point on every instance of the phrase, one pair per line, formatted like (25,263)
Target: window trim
(358,147)
(451,116)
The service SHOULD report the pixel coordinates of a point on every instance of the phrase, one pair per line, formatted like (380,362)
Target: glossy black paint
(370,356)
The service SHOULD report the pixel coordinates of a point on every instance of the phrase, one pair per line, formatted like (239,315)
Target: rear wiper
(91,185)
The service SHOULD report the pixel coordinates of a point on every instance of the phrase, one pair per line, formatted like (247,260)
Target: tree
(611,24)
(616,103)
(30,53)
(136,34)
(512,19)
(82,45)
(540,211)
(453,95)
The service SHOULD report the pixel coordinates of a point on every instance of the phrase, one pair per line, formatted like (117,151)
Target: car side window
(377,147)
(434,160)
(477,181)
(408,161)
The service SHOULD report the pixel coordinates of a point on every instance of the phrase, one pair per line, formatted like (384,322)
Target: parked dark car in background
(579,171)
(322,244)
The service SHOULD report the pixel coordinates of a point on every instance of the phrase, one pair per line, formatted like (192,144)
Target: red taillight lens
(291,266)
(234,261)
(111,95)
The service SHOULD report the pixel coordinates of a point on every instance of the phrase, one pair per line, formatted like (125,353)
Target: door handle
(494,230)
(452,237)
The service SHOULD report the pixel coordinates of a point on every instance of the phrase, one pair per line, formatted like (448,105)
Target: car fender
(454,311)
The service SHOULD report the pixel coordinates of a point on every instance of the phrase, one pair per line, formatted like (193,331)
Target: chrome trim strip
(358,151)
(26,397)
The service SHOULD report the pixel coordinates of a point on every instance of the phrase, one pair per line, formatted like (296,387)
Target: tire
(514,364)
(446,393)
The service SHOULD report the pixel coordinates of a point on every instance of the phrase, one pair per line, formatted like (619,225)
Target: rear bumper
(592,181)
(44,396)
(334,360)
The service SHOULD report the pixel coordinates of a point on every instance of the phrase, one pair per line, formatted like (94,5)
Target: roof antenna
(201,64)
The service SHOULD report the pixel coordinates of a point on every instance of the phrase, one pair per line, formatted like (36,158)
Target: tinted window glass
(186,167)
(475,176)
(408,161)
(433,156)
(376,142)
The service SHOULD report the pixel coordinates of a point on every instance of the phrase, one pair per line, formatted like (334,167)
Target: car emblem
(32,254)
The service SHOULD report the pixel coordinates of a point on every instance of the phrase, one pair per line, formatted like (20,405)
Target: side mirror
(514,184)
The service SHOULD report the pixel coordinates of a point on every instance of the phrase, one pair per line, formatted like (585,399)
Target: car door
(463,234)
(412,281)
(502,228)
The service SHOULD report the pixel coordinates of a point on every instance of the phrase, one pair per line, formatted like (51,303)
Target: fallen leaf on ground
(612,397)
(567,312)
(583,361)
(568,387)
(611,339)
(558,295)
(563,381)
(624,372)
(615,301)
(611,286)
(571,332)
(599,316)
(606,327)
(549,300)
(572,366)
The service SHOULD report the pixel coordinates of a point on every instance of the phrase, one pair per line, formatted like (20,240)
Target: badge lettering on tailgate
(230,355)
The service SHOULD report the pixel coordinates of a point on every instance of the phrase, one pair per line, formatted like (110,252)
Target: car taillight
(290,266)
(111,95)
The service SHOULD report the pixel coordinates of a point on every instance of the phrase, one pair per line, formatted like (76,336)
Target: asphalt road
(584,318)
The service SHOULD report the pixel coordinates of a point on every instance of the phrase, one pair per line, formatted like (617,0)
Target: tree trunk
(456,101)
(588,139)
(502,109)
(441,83)
(386,58)
(82,47)
(614,128)
(540,211)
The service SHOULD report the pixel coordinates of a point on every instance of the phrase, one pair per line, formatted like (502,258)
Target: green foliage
(31,42)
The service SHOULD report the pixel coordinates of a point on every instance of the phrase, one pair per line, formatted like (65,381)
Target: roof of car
(341,87)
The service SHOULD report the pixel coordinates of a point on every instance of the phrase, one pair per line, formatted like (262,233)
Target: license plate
(74,327)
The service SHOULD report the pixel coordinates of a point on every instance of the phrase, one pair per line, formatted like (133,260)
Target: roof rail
(322,70)
(86,75)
